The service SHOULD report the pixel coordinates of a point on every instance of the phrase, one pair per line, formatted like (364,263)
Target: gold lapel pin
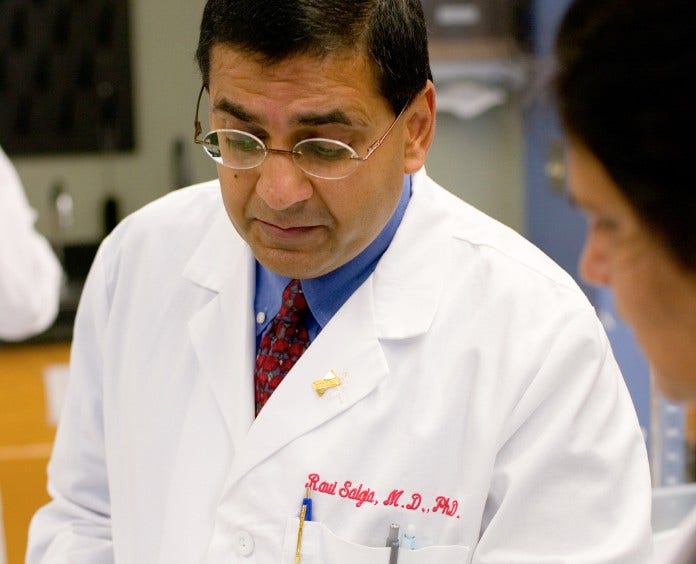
(331,380)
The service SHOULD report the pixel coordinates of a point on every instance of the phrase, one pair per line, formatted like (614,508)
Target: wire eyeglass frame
(350,163)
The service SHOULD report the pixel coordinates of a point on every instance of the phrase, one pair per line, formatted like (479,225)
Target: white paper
(458,14)
(468,99)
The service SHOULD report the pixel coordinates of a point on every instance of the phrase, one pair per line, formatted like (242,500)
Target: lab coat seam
(568,286)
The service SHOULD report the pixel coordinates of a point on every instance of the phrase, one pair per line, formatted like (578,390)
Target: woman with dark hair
(627,105)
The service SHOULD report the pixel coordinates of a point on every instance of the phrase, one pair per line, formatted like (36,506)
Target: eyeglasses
(322,158)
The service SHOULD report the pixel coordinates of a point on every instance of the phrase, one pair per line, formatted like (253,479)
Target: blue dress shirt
(327,293)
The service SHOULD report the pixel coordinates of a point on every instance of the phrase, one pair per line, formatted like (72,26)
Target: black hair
(624,91)
(391,33)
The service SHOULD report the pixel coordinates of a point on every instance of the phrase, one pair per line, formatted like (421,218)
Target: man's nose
(281,183)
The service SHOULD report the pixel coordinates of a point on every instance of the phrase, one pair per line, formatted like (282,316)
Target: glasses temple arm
(197,129)
(379,141)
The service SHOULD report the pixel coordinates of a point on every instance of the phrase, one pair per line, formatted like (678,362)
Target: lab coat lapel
(349,346)
(409,279)
(222,332)
(220,410)
(222,335)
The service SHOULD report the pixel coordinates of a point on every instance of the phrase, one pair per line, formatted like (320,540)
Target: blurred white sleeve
(30,274)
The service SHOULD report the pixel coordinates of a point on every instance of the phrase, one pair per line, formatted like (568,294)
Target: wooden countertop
(26,436)
(22,402)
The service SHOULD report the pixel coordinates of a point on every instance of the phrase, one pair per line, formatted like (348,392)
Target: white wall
(478,159)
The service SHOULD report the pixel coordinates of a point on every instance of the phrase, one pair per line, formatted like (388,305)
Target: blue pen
(305,515)
(307,503)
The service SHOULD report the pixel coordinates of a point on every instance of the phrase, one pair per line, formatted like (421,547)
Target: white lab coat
(30,275)
(479,402)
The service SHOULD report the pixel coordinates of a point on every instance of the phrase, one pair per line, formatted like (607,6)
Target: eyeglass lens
(324,158)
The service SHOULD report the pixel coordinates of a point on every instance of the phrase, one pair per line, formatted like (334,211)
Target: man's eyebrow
(237,111)
(331,117)
(307,119)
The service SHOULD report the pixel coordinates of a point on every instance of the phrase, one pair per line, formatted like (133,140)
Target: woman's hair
(624,90)
(391,33)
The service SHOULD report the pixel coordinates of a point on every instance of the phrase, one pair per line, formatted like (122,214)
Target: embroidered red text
(364,495)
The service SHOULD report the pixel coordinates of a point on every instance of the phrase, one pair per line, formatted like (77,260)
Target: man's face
(297,225)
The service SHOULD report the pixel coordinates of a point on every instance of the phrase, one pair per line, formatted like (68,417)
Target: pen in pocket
(393,543)
(305,515)
(307,502)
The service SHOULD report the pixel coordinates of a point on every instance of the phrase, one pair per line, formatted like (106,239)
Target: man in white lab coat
(457,382)
(30,274)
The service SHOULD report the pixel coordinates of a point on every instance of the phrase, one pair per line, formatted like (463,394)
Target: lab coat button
(243,543)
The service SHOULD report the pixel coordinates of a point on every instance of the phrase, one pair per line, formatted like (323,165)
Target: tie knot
(294,306)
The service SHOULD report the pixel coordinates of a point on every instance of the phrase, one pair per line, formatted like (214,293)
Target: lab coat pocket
(321,546)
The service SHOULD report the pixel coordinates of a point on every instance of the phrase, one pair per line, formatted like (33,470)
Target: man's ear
(420,129)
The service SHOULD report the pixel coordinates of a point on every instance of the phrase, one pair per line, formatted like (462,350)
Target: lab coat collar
(221,332)
(405,292)
(221,255)
(409,279)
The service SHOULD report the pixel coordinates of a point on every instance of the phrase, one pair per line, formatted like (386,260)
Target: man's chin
(291,264)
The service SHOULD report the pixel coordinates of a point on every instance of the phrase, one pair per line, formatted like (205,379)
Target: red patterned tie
(282,343)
